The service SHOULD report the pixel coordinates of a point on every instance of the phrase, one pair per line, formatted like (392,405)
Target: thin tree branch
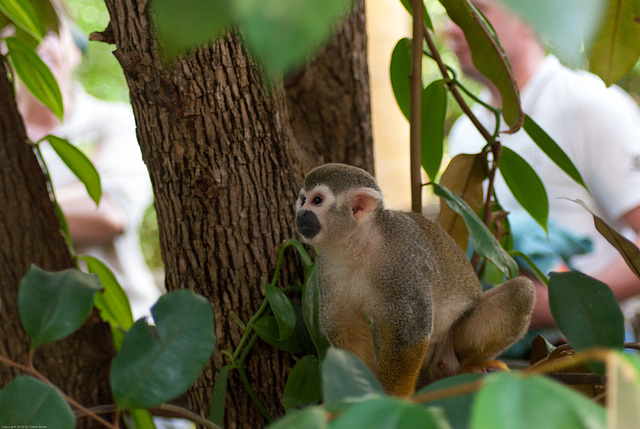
(415,107)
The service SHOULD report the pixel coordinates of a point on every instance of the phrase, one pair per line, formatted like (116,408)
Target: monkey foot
(485,367)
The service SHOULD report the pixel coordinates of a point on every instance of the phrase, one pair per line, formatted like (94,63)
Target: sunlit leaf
(35,74)
(24,13)
(142,419)
(464,176)
(344,376)
(616,48)
(53,305)
(399,72)
(525,185)
(488,58)
(586,311)
(508,400)
(158,363)
(434,112)
(303,386)
(27,402)
(79,164)
(484,243)
(627,249)
(551,148)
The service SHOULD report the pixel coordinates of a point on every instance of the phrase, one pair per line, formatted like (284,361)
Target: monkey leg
(500,317)
(399,364)
(353,333)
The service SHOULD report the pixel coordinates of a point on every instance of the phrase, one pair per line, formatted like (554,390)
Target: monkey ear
(364,201)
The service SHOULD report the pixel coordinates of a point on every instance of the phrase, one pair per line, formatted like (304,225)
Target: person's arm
(616,275)
(88,223)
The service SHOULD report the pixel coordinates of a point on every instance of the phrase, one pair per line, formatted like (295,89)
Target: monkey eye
(303,200)
(317,200)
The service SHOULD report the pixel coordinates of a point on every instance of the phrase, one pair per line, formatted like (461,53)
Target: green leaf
(307,262)
(142,419)
(188,23)
(25,15)
(567,26)
(219,397)
(303,386)
(35,75)
(525,185)
(623,390)
(79,164)
(283,311)
(267,328)
(284,33)
(434,112)
(627,248)
(586,311)
(346,377)
(311,311)
(616,48)
(457,408)
(427,19)
(484,243)
(157,364)
(399,72)
(310,418)
(28,402)
(387,413)
(508,400)
(488,57)
(551,148)
(53,305)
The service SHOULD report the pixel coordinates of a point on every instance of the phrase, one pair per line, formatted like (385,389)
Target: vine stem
(415,106)
(29,369)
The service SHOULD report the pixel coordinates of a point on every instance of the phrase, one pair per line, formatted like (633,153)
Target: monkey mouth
(308,224)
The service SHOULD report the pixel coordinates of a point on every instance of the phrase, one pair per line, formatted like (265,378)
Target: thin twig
(415,107)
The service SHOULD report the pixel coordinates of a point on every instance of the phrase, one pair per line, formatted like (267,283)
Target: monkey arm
(349,331)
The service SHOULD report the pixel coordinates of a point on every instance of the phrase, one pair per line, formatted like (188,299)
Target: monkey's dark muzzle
(308,224)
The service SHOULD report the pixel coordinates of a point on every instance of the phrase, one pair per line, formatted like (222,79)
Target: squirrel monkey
(397,291)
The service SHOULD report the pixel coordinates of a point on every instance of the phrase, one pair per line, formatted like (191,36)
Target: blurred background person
(105,131)
(596,126)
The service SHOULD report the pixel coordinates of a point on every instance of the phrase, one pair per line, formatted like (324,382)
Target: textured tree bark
(30,234)
(226,169)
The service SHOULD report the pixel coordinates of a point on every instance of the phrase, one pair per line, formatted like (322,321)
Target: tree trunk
(226,169)
(30,234)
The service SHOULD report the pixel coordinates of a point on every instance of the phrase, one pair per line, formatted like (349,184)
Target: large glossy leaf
(267,328)
(551,148)
(188,23)
(283,311)
(457,408)
(525,185)
(389,413)
(616,48)
(399,72)
(284,33)
(303,386)
(586,311)
(79,164)
(464,176)
(156,364)
(484,243)
(344,377)
(53,305)
(488,58)
(508,400)
(434,112)
(311,311)
(25,15)
(623,391)
(27,402)
(567,25)
(627,249)
(35,75)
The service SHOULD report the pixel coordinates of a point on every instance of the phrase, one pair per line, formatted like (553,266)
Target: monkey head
(335,200)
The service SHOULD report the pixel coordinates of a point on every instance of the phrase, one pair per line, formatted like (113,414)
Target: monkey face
(311,210)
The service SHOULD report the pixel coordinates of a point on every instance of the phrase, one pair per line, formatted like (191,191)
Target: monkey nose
(308,224)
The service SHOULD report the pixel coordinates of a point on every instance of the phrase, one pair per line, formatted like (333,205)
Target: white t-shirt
(106,132)
(597,127)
